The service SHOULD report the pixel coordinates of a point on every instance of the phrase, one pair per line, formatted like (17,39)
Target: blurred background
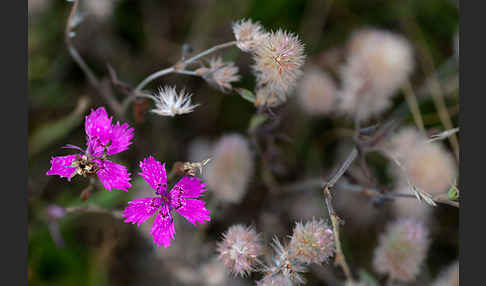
(137,38)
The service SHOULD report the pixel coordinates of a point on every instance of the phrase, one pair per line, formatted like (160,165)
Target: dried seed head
(402,249)
(214,273)
(278,62)
(425,165)
(411,208)
(312,242)
(221,74)
(275,280)
(169,103)
(285,264)
(448,276)
(230,169)
(316,92)
(248,34)
(379,62)
(240,249)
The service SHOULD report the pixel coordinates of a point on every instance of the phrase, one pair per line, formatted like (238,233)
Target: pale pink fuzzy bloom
(411,207)
(275,280)
(214,273)
(378,63)
(448,276)
(248,34)
(101,9)
(278,62)
(316,92)
(266,96)
(402,249)
(170,103)
(230,169)
(103,139)
(240,248)
(426,165)
(180,198)
(221,74)
(312,242)
(285,263)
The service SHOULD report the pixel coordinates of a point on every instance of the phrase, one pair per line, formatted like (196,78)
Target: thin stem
(209,51)
(93,80)
(412,103)
(340,258)
(163,72)
(177,68)
(153,76)
(90,75)
(345,165)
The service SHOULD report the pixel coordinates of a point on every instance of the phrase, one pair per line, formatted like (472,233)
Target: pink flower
(103,139)
(180,198)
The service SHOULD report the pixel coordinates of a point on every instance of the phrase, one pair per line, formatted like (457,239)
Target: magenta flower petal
(154,174)
(61,166)
(113,175)
(121,136)
(193,210)
(163,228)
(98,124)
(139,210)
(192,187)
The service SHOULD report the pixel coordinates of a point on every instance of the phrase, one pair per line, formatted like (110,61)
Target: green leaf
(367,278)
(256,121)
(453,192)
(246,94)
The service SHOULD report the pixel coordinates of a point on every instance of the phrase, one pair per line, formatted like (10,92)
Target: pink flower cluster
(181,198)
(105,139)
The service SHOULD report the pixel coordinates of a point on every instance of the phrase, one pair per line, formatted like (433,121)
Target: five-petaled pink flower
(103,139)
(180,199)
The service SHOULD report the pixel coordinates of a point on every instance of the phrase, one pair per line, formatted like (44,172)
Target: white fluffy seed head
(221,74)
(312,242)
(448,276)
(402,249)
(378,63)
(275,280)
(278,62)
(248,34)
(230,169)
(316,92)
(240,249)
(285,263)
(426,165)
(170,103)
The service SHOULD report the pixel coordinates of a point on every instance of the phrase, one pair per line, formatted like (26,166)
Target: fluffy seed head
(169,103)
(316,92)
(379,62)
(274,280)
(285,263)
(221,74)
(240,249)
(278,62)
(427,165)
(411,208)
(402,249)
(230,169)
(248,34)
(449,276)
(312,242)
